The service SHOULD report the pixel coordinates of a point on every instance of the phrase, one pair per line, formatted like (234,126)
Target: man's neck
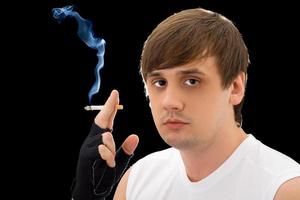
(200,163)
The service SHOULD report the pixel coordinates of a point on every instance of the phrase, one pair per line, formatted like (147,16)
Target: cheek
(154,107)
(205,108)
(201,112)
(156,115)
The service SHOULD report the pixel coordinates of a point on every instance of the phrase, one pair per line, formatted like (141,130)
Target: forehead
(204,67)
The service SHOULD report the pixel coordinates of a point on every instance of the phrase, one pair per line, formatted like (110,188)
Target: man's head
(196,34)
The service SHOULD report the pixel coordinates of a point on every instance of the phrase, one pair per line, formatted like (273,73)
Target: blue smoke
(86,34)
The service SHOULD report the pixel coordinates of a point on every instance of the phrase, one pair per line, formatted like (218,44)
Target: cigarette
(100,107)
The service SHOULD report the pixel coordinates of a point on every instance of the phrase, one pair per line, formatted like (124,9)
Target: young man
(194,66)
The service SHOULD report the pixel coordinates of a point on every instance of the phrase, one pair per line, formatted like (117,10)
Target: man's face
(188,103)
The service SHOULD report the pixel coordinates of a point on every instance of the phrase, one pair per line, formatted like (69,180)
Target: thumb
(130,144)
(123,156)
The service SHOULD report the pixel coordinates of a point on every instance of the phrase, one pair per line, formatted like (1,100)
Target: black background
(55,73)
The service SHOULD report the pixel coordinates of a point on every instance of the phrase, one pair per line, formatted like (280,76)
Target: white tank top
(253,172)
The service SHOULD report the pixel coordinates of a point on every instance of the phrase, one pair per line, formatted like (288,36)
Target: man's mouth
(174,124)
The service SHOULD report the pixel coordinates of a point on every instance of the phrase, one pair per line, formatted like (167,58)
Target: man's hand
(105,119)
(100,166)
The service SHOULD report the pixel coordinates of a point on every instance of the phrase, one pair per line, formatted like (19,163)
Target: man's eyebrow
(195,71)
(192,71)
(153,74)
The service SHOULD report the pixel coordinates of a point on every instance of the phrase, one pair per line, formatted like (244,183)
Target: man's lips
(174,123)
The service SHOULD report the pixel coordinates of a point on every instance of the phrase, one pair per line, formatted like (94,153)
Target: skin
(290,190)
(193,113)
(105,118)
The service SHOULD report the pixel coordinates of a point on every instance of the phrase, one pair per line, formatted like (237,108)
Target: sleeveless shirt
(253,171)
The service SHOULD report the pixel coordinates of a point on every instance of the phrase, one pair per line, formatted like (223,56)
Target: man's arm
(290,190)
(120,193)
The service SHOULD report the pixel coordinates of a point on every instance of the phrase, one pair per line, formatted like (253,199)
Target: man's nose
(172,99)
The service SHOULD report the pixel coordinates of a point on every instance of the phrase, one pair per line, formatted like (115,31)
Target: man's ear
(238,87)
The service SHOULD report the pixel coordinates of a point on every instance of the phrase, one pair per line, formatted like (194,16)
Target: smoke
(85,33)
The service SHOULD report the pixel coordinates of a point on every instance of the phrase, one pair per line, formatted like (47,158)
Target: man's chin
(175,142)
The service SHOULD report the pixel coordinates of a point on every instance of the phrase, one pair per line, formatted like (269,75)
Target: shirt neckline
(221,171)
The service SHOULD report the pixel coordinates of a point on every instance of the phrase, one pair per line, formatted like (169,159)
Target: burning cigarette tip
(100,107)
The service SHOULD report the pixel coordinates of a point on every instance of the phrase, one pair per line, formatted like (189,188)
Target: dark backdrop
(58,73)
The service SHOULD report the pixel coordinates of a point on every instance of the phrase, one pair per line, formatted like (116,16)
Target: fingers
(124,155)
(130,144)
(109,142)
(105,117)
(107,150)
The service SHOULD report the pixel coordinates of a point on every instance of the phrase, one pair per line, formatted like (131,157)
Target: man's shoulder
(272,160)
(268,165)
(289,190)
(160,161)
(159,156)
(151,173)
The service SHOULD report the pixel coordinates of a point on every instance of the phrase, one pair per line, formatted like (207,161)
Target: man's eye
(159,83)
(191,82)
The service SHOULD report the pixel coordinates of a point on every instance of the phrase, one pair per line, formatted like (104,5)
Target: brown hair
(195,34)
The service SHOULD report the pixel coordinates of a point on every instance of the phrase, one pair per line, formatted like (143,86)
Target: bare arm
(290,190)
(120,193)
